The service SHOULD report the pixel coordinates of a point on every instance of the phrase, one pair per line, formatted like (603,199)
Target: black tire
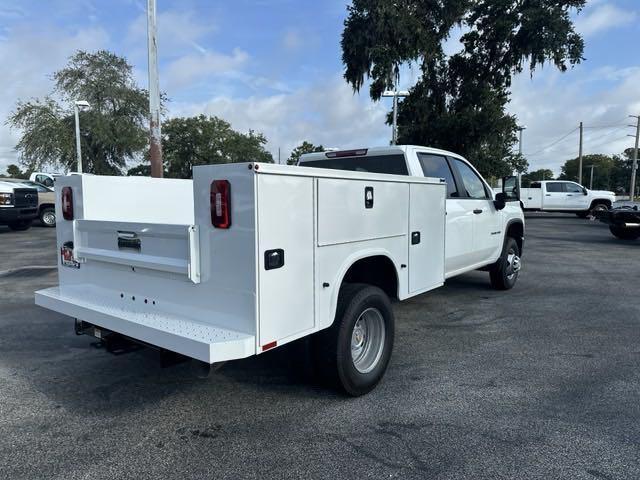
(333,356)
(625,233)
(504,273)
(48,217)
(598,207)
(20,225)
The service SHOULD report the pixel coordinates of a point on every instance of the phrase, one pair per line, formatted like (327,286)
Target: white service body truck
(565,197)
(248,257)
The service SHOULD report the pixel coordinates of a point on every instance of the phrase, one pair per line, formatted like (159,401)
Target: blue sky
(274,66)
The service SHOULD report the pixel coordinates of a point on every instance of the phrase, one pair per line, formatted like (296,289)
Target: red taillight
(67,203)
(221,203)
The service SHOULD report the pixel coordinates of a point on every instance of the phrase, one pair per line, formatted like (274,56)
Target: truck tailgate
(186,336)
(166,248)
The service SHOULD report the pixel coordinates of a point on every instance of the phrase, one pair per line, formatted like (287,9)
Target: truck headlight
(6,198)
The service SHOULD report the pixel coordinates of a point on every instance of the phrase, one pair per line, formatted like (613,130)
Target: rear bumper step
(187,337)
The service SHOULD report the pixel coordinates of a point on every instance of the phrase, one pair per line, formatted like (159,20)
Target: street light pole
(155,142)
(634,166)
(591,179)
(76,111)
(395,94)
(521,128)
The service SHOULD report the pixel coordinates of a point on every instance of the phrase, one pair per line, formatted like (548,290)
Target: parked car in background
(18,205)
(46,201)
(565,197)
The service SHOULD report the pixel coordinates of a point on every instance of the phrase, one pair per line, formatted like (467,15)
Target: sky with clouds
(274,66)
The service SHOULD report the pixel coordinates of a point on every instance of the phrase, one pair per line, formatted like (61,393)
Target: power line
(606,134)
(551,144)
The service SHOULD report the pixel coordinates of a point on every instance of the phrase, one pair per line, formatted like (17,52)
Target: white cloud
(551,108)
(176,30)
(604,17)
(31,56)
(193,67)
(328,114)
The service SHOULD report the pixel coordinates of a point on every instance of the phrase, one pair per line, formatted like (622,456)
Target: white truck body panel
(205,292)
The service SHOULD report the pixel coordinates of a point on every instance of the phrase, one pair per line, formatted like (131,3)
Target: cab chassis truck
(249,257)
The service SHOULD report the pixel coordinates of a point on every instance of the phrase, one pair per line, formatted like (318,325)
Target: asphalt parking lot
(539,382)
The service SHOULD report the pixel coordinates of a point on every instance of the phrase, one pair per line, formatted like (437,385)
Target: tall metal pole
(580,157)
(78,148)
(155,142)
(395,94)
(394,135)
(591,179)
(634,166)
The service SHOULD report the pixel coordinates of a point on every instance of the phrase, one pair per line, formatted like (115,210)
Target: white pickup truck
(248,257)
(566,197)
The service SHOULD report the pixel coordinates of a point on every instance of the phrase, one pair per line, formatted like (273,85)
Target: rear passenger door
(459,221)
(554,196)
(478,202)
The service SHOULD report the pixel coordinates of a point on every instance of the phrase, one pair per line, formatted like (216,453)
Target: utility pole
(521,128)
(395,94)
(580,157)
(634,166)
(591,180)
(155,142)
(77,105)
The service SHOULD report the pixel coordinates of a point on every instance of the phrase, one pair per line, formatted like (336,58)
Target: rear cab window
(436,166)
(394,164)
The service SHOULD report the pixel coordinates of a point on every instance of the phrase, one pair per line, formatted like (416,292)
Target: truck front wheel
(625,233)
(504,273)
(355,351)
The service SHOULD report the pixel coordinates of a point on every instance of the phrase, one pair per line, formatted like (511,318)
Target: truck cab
(565,197)
(18,205)
(476,226)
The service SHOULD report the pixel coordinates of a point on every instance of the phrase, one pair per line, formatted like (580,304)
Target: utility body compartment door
(285,257)
(426,236)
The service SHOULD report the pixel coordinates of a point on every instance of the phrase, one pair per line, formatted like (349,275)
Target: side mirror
(500,201)
(585,191)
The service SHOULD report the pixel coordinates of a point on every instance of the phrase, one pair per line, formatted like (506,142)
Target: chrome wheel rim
(367,340)
(49,218)
(513,264)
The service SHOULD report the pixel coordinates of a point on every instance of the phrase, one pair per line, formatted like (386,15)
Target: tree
(304,147)
(13,171)
(460,100)
(536,176)
(203,140)
(603,171)
(112,130)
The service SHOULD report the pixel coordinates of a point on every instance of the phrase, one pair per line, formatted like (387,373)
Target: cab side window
(572,187)
(554,188)
(436,166)
(472,183)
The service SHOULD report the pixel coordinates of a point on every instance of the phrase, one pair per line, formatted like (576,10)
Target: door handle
(415,238)
(547,195)
(477,211)
(569,195)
